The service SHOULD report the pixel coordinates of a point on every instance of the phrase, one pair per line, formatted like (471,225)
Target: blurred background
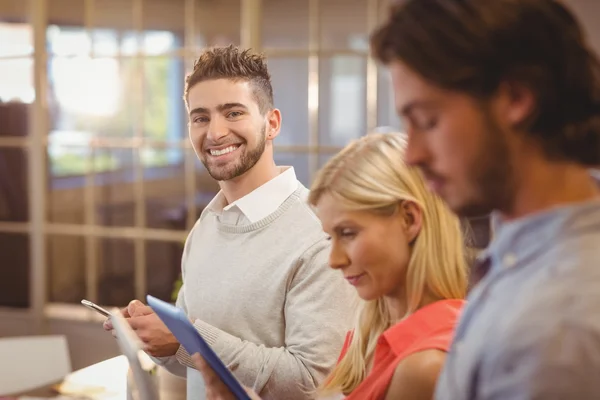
(98,184)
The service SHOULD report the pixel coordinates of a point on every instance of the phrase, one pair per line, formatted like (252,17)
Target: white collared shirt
(261,202)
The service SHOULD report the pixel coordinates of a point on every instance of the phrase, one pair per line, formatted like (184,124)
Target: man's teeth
(223,151)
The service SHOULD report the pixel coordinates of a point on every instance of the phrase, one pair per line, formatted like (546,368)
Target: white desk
(106,380)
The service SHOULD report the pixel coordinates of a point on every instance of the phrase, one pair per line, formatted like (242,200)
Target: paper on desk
(48,398)
(105,380)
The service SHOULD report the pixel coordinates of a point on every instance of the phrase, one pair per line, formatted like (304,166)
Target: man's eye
(426,124)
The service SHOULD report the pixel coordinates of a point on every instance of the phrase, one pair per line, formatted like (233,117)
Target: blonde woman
(403,250)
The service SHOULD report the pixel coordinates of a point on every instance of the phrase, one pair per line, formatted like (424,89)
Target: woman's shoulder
(416,375)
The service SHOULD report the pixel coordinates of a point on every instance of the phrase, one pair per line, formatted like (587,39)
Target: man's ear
(273,123)
(413,219)
(517,102)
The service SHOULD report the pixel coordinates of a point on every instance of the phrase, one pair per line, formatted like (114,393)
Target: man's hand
(157,338)
(215,388)
(127,312)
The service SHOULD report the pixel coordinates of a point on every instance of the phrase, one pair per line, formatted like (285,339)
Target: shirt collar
(519,239)
(262,201)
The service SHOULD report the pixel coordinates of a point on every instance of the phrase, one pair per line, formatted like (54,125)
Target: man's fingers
(107,325)
(136,323)
(132,306)
(199,362)
(141,321)
(210,378)
(215,387)
(142,310)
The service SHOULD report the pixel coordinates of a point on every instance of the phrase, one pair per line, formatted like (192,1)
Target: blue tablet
(181,327)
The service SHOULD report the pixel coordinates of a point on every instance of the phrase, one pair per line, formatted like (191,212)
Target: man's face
(460,144)
(226,128)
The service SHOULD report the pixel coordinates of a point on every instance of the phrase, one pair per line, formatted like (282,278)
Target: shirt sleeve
(318,309)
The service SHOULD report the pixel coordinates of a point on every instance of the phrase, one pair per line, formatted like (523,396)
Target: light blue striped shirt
(531,329)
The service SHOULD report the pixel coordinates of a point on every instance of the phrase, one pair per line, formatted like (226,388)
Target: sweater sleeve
(318,309)
(171,363)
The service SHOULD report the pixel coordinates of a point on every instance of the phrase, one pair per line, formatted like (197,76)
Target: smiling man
(255,278)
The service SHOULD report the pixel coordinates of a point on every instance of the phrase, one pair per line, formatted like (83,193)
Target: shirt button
(457,347)
(509,260)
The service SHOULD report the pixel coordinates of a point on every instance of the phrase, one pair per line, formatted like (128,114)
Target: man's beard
(244,163)
(493,178)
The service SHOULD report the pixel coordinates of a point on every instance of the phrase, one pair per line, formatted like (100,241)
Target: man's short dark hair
(472,46)
(233,63)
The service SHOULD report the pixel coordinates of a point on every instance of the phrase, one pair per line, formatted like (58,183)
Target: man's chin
(225,174)
(470,210)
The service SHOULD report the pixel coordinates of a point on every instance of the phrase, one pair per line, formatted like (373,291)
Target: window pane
(114,14)
(14,197)
(119,116)
(66,268)
(386,110)
(67,159)
(285,24)
(163,268)
(16,39)
(14,280)
(164,189)
(16,80)
(108,42)
(342,99)
(164,25)
(344,24)
(218,22)
(67,165)
(14,119)
(158,157)
(105,42)
(164,108)
(160,42)
(82,106)
(323,158)
(116,280)
(68,41)
(297,160)
(66,12)
(114,187)
(290,91)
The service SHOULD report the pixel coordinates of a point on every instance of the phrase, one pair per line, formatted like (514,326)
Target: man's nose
(416,150)
(217,129)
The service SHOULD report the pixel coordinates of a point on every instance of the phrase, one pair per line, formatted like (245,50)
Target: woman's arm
(415,376)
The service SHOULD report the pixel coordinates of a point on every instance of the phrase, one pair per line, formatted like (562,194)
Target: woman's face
(371,250)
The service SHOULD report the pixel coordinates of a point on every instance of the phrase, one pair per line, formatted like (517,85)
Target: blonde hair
(370,175)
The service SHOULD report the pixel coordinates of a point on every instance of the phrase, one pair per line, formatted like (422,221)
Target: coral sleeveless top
(431,327)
